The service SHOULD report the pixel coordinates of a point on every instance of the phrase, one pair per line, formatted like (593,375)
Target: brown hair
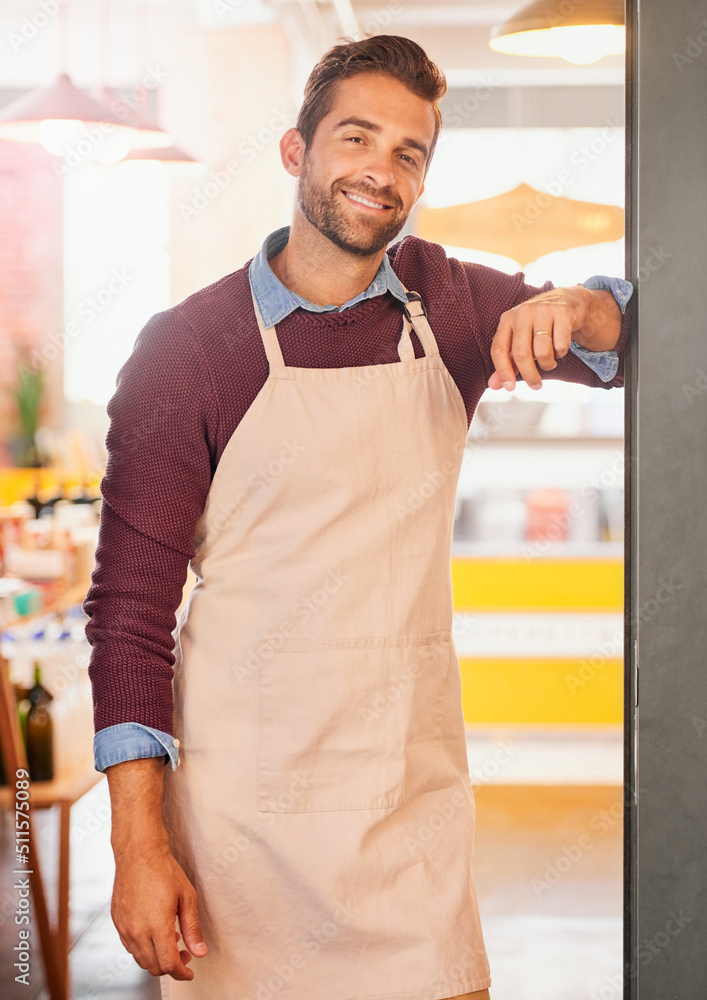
(400,58)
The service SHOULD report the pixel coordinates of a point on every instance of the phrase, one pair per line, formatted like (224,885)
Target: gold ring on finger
(543,333)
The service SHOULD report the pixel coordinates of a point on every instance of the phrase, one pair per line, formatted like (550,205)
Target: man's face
(373,145)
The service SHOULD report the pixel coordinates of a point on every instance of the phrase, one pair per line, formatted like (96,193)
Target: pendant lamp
(63,118)
(58,115)
(170,156)
(580,33)
(146,135)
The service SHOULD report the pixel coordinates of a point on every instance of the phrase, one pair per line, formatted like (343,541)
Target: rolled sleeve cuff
(133,741)
(605,363)
(621,289)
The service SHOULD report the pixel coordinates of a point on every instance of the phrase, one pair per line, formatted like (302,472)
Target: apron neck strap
(270,341)
(417,314)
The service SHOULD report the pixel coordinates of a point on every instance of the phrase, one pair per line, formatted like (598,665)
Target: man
(316,841)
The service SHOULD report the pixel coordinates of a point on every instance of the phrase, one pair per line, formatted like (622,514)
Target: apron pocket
(353,723)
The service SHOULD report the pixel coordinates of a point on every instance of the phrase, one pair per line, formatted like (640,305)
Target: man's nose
(378,170)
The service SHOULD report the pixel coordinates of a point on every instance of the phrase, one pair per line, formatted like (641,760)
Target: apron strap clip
(415,306)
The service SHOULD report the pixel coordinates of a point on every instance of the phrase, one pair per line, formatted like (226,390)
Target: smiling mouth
(359,199)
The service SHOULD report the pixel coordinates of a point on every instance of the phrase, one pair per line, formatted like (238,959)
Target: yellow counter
(552,689)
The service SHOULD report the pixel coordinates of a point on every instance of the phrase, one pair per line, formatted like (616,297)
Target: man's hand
(538,332)
(150,891)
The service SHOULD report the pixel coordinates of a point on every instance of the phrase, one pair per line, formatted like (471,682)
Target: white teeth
(364,201)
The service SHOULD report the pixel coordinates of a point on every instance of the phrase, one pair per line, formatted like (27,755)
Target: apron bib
(323,809)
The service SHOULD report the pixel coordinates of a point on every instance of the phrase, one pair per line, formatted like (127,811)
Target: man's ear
(292,151)
(419,193)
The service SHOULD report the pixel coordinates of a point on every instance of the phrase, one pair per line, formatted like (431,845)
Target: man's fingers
(544,349)
(522,351)
(169,959)
(185,956)
(495,382)
(190,926)
(156,954)
(142,950)
(505,374)
(531,336)
(562,335)
(552,333)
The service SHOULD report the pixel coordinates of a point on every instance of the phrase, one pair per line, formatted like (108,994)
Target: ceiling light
(56,116)
(579,32)
(146,135)
(171,156)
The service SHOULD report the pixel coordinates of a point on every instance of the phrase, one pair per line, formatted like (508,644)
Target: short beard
(322,211)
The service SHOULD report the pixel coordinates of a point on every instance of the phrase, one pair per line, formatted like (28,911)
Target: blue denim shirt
(132,740)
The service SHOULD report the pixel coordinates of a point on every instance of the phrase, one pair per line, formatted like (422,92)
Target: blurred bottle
(22,706)
(43,499)
(39,731)
(49,499)
(548,516)
(82,494)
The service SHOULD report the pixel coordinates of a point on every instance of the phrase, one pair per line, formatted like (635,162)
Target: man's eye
(353,138)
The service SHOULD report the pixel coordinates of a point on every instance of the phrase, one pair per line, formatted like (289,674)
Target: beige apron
(323,808)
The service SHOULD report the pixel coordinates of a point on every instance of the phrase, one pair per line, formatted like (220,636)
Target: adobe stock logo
(36,22)
(693,49)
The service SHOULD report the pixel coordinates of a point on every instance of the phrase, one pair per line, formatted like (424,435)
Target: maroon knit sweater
(195,370)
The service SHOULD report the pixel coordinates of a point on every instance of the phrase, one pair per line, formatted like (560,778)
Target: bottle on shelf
(43,499)
(38,729)
(21,703)
(547,515)
(82,494)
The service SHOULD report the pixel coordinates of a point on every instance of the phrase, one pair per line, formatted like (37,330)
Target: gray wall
(667,565)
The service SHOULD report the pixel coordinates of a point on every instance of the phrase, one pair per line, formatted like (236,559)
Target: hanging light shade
(54,116)
(577,32)
(146,135)
(170,156)
(523,224)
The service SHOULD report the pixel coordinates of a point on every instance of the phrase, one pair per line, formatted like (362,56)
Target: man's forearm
(601,326)
(136,806)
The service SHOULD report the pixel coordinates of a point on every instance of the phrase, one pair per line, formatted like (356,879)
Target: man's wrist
(150,839)
(601,325)
(620,288)
(136,806)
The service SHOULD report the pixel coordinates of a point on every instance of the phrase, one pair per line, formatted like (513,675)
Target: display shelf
(60,603)
(585,441)
(540,641)
(566,463)
(487,584)
(529,551)
(19,483)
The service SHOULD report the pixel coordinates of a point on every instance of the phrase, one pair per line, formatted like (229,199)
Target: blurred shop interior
(138,163)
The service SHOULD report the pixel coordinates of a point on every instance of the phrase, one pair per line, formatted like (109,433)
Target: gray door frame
(665,953)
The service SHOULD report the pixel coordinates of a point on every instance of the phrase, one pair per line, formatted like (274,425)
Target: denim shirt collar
(275,301)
